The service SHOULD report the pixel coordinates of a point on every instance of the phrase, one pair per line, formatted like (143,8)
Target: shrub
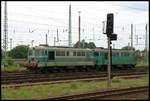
(10,61)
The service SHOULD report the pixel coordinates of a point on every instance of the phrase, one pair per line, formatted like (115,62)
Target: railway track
(42,78)
(101,94)
(67,81)
(23,77)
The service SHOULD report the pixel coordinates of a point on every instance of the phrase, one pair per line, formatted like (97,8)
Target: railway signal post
(110,36)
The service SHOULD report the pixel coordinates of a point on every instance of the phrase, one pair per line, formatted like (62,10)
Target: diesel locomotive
(49,58)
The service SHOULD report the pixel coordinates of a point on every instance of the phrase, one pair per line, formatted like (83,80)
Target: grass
(142,64)
(44,91)
(15,67)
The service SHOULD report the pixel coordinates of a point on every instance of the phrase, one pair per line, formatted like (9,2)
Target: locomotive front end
(32,60)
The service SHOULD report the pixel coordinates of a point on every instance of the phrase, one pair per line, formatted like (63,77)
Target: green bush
(21,64)
(10,61)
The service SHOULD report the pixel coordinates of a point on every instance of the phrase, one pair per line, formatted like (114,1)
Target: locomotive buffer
(110,37)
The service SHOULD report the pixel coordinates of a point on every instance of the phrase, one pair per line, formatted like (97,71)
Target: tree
(19,52)
(128,48)
(91,45)
(84,44)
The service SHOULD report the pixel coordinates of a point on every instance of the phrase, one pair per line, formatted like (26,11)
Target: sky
(29,21)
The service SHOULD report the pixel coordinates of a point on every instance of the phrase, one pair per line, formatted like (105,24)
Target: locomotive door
(96,55)
(51,55)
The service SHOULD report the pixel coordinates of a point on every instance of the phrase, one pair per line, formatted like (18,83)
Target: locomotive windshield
(30,52)
(96,54)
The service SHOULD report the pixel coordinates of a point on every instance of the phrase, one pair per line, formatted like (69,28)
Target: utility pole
(10,43)
(146,38)
(110,37)
(137,39)
(103,26)
(32,43)
(57,36)
(46,39)
(69,36)
(54,41)
(5,35)
(132,35)
(79,29)
(109,64)
(93,35)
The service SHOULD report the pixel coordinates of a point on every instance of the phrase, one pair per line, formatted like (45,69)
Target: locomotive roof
(85,49)
(58,48)
(117,50)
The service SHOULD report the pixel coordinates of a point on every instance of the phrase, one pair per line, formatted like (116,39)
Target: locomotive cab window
(30,52)
(51,55)
(96,54)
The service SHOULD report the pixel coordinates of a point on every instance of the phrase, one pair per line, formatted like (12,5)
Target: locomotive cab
(32,60)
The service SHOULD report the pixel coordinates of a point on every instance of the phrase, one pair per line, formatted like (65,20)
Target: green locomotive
(48,58)
(120,58)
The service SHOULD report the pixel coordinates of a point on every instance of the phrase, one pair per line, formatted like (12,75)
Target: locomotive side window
(60,53)
(78,53)
(117,54)
(63,53)
(67,53)
(105,55)
(74,53)
(114,54)
(57,53)
(100,54)
(83,53)
(122,54)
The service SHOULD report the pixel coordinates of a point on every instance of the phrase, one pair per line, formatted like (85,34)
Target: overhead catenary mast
(132,35)
(5,35)
(146,38)
(10,43)
(79,30)
(46,39)
(69,34)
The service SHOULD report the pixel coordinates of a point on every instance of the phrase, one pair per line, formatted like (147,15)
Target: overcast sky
(29,21)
